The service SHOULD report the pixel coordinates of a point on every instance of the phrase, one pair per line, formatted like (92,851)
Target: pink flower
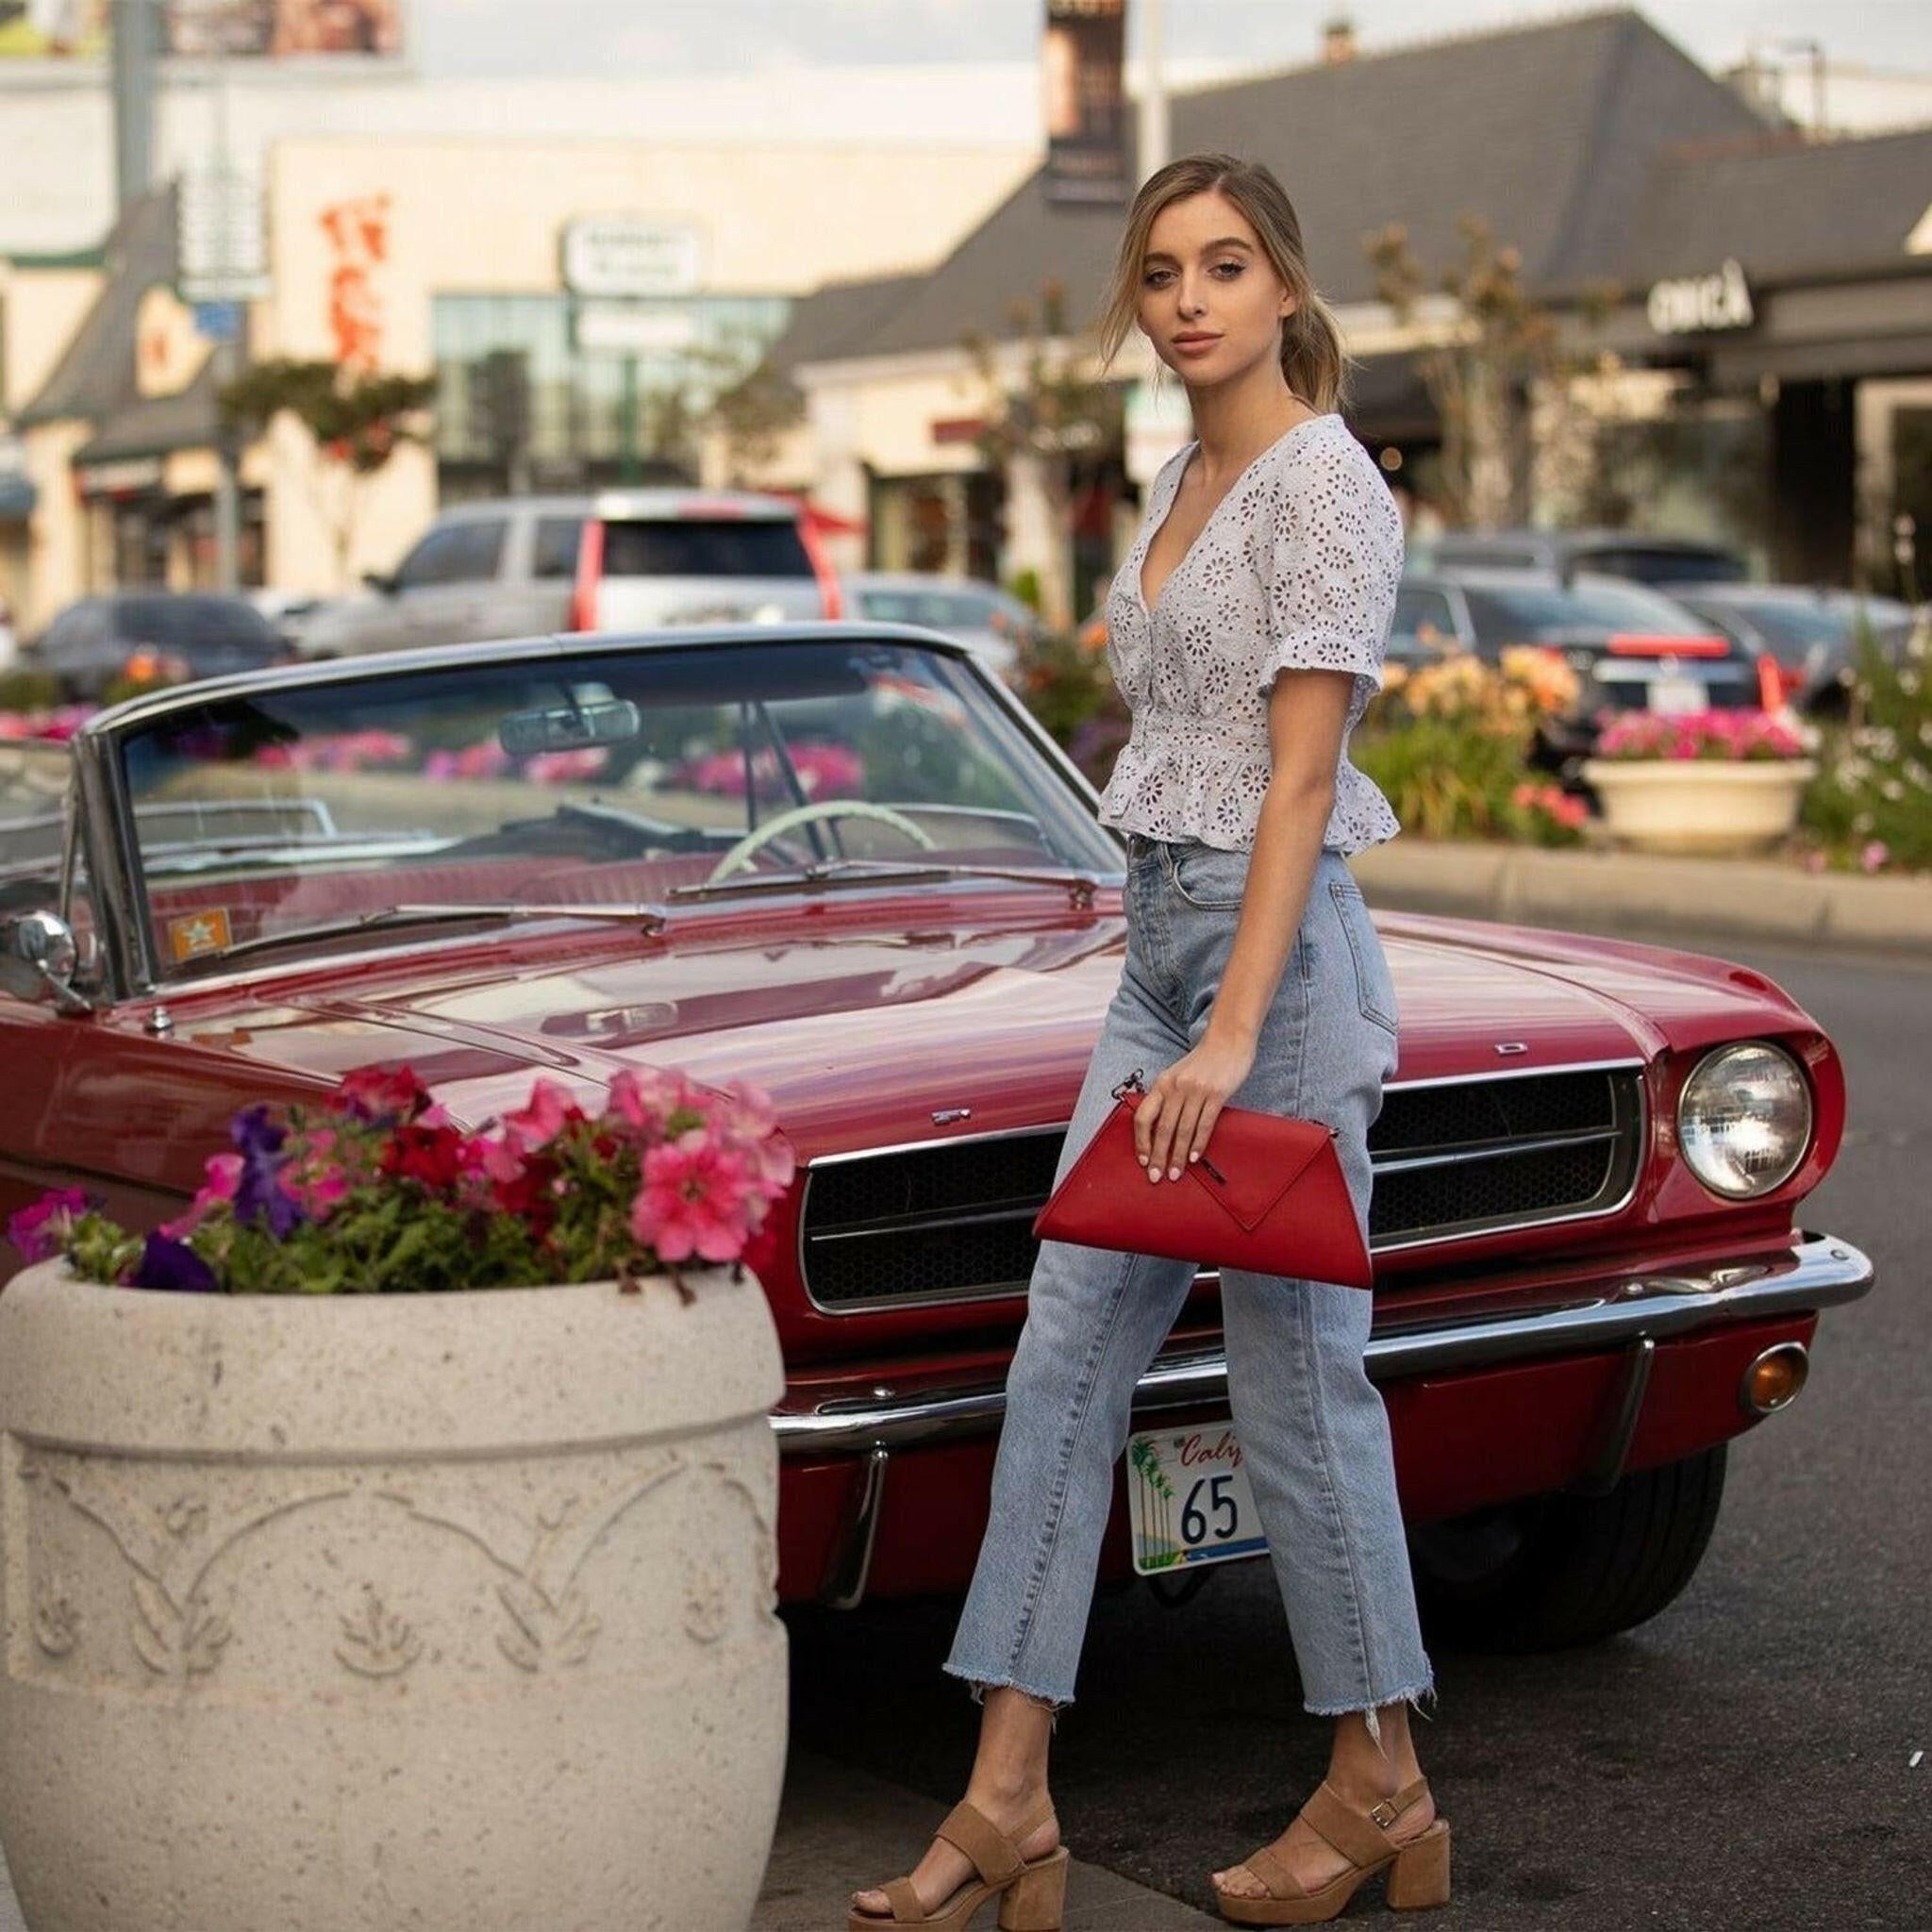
(562,767)
(697,1199)
(1874,854)
(39,1231)
(645,1098)
(550,1110)
(222,1178)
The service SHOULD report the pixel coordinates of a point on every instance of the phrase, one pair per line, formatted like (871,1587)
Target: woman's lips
(1193,345)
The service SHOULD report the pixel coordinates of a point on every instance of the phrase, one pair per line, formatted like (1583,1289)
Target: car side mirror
(40,958)
(381,580)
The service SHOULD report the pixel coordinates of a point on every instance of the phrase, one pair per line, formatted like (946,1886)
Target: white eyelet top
(1297,566)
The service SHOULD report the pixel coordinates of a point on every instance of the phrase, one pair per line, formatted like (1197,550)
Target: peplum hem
(1174,791)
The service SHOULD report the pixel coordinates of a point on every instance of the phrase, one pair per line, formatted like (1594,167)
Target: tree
(1046,407)
(356,423)
(751,417)
(1504,345)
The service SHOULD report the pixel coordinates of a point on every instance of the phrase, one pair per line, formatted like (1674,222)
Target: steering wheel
(741,852)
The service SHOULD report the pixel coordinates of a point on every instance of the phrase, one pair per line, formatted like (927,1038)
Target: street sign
(219,237)
(629,256)
(219,322)
(634,331)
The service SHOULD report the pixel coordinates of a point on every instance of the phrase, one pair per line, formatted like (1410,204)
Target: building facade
(1744,314)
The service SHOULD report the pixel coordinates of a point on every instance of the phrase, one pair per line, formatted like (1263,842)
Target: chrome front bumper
(1612,1312)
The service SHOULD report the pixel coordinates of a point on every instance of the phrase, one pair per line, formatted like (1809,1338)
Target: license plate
(1188,1500)
(1676,695)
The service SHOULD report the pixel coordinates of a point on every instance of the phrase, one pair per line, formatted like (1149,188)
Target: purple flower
(38,1231)
(173,1265)
(258,1193)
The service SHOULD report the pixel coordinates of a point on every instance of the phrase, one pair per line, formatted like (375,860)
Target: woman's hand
(1173,1124)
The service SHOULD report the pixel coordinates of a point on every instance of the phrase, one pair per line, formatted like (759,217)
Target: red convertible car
(840,862)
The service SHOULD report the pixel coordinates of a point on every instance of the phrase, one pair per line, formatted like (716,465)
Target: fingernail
(1152,1174)
(1174,1173)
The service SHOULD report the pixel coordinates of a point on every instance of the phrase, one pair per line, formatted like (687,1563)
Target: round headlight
(1745,1119)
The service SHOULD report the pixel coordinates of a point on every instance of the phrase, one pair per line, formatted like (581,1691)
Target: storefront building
(1746,315)
(580,303)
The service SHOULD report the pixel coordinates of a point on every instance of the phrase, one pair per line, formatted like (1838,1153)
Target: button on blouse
(1296,566)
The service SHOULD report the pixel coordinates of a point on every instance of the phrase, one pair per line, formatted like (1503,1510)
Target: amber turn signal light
(1772,1380)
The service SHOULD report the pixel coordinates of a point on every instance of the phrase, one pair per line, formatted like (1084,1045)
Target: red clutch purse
(1268,1195)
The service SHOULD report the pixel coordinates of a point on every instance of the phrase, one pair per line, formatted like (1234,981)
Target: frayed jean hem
(980,1686)
(1415,1698)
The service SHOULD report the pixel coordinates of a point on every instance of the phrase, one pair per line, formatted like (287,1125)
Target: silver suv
(625,559)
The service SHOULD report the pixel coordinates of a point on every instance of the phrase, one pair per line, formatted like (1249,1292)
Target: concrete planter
(1706,805)
(356,1614)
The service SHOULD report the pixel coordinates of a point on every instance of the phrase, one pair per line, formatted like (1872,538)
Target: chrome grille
(1456,1158)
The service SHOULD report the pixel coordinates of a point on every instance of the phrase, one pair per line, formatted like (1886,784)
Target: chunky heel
(1419,1876)
(1037,1900)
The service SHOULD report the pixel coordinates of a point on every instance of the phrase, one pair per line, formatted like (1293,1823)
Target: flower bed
(1869,807)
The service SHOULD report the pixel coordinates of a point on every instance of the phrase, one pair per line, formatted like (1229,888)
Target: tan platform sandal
(1032,1896)
(1418,1869)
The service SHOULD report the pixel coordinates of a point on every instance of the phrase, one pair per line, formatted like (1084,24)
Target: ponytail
(1312,357)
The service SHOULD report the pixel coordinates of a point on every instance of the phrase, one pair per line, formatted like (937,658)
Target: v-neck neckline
(1148,610)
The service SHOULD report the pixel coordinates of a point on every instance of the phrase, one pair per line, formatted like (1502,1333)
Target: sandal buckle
(1387,1805)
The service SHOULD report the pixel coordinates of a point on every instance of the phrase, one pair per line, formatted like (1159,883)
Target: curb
(1740,898)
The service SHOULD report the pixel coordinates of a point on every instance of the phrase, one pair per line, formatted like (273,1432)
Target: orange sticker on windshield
(196,933)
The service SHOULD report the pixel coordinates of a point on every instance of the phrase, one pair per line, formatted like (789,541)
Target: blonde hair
(1312,357)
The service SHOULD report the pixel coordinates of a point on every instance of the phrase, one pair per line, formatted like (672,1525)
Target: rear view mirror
(568,727)
(39,958)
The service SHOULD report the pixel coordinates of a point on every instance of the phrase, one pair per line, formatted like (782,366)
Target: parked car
(993,622)
(1632,647)
(1811,634)
(844,863)
(154,636)
(1431,622)
(625,559)
(1562,554)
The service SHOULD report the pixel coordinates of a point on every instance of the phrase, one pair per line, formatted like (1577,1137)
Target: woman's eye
(1153,277)
(1233,267)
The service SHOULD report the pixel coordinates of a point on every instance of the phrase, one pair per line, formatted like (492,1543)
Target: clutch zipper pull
(1131,1084)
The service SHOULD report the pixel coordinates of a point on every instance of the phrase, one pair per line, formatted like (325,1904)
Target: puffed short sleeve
(1333,563)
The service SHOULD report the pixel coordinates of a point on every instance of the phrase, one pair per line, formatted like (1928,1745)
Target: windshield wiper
(1081,885)
(653,919)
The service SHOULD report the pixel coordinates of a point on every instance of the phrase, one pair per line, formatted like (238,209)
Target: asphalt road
(1744,1760)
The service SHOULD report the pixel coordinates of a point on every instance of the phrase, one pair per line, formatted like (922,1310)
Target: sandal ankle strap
(1360,1837)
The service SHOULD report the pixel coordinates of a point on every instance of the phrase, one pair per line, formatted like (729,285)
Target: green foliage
(28,691)
(1870,803)
(356,422)
(1448,779)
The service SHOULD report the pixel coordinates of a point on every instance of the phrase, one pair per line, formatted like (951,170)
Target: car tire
(1565,1569)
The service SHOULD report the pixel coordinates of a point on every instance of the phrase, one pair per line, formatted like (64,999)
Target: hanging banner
(1080,61)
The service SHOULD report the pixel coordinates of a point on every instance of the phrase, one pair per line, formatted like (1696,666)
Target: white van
(624,559)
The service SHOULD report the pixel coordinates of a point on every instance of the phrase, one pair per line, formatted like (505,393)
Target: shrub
(1871,805)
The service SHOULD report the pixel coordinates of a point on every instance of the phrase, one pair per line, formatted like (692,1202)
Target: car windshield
(936,609)
(1798,627)
(171,622)
(602,777)
(1534,611)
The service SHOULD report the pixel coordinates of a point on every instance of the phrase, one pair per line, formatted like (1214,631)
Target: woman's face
(1210,301)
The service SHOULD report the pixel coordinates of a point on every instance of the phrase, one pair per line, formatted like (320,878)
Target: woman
(1246,630)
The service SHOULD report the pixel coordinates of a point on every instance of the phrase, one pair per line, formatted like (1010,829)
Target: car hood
(860,1034)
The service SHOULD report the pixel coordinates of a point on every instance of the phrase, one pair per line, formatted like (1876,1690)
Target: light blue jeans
(1313,1431)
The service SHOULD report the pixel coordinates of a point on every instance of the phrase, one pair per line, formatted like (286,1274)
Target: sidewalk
(1592,889)
(838,1829)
